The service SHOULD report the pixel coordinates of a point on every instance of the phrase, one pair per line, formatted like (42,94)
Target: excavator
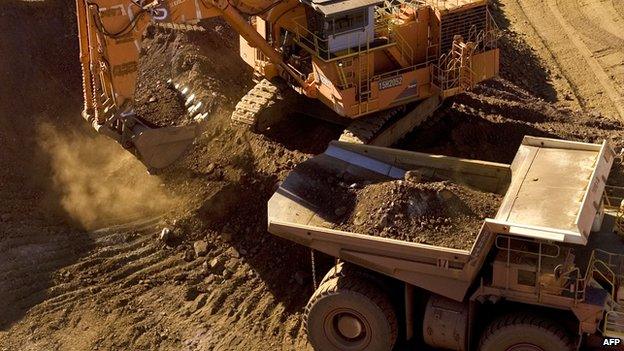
(384,66)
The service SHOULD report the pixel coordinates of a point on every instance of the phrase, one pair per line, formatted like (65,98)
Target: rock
(199,302)
(231,264)
(206,266)
(189,255)
(180,277)
(210,168)
(191,293)
(413,176)
(210,279)
(195,278)
(166,235)
(200,247)
(216,264)
(232,252)
(445,194)
(359,218)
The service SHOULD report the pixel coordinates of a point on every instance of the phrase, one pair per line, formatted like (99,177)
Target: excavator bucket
(160,147)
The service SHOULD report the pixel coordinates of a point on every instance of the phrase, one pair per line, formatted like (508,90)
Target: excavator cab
(346,24)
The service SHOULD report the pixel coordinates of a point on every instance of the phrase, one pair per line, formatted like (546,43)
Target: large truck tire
(349,313)
(522,331)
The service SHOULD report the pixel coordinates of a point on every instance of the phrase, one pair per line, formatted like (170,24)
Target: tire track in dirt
(599,72)
(619,7)
(603,14)
(128,267)
(601,29)
(566,44)
(513,12)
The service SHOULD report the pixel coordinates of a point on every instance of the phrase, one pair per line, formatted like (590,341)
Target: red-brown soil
(65,286)
(439,213)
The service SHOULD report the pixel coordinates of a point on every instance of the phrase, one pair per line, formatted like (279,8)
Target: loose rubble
(440,213)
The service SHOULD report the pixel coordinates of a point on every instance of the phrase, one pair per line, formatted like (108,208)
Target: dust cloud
(100,183)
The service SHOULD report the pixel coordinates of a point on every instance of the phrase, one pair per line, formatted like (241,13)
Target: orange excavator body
(358,57)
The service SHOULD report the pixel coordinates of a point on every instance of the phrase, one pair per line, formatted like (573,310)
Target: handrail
(616,267)
(436,3)
(398,71)
(594,265)
(406,49)
(620,314)
(615,326)
(383,27)
(577,282)
(539,244)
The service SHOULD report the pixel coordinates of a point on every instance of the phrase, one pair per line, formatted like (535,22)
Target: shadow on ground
(40,83)
(519,63)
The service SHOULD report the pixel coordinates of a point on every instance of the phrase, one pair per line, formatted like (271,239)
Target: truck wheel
(525,332)
(347,313)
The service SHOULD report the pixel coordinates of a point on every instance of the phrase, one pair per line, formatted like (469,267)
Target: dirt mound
(490,122)
(416,209)
(207,64)
(438,213)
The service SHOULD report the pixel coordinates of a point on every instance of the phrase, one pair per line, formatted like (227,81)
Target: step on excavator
(382,66)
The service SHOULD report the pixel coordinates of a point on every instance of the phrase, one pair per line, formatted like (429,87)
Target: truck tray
(447,271)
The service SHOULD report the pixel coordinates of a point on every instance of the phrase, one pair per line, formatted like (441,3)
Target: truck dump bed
(560,205)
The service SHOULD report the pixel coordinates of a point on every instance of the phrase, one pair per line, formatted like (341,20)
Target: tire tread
(354,283)
(526,319)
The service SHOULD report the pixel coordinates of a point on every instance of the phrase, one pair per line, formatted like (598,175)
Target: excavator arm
(110,33)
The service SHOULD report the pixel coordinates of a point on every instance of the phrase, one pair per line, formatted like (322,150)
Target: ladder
(454,73)
(364,89)
(345,72)
(607,268)
(466,75)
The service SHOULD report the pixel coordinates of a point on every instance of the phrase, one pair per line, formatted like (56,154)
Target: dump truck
(539,275)
(379,67)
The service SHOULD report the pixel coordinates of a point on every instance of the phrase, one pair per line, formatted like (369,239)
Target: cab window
(347,21)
